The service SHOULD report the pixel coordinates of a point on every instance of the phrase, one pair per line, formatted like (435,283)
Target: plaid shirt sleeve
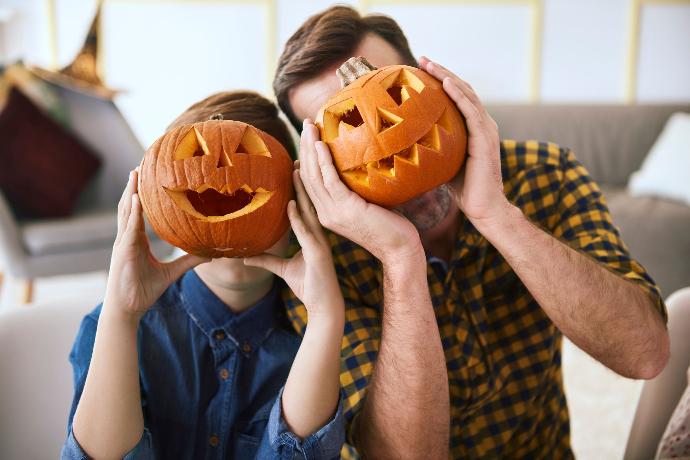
(558,192)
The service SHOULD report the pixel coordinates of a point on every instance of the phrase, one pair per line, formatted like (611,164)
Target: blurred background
(608,78)
(166,55)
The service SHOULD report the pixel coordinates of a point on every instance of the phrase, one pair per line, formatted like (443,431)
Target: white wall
(167,54)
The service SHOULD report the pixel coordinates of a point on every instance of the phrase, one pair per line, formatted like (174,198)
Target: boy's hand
(136,278)
(310,272)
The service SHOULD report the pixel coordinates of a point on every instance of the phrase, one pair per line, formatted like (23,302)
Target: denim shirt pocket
(248,433)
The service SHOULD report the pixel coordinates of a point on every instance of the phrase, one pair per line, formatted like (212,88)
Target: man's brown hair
(328,38)
(245,106)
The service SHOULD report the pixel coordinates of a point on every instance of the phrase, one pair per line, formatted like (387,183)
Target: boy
(193,367)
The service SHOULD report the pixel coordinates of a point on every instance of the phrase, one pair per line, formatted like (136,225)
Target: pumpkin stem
(216,116)
(352,69)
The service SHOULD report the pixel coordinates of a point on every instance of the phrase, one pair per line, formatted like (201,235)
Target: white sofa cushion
(79,232)
(665,171)
(37,388)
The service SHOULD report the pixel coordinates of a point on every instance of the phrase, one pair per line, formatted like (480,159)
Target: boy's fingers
(137,214)
(270,262)
(123,209)
(182,264)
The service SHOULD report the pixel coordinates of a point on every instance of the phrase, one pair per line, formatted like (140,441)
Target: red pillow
(43,167)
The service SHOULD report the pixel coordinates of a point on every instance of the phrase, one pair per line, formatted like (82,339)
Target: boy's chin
(429,209)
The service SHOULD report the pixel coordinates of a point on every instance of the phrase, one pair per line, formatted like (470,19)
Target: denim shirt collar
(247,330)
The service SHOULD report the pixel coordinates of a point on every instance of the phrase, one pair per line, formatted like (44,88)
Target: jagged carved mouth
(211,205)
(387,166)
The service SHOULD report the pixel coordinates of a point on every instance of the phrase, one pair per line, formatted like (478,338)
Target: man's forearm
(406,411)
(610,318)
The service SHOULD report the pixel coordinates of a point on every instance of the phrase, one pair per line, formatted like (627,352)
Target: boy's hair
(245,106)
(328,38)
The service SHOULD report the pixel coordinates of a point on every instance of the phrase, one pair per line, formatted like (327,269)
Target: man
(455,311)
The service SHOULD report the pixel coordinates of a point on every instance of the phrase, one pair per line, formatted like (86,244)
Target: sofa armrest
(11,248)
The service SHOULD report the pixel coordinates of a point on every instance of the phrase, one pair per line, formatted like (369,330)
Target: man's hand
(478,187)
(385,234)
(610,318)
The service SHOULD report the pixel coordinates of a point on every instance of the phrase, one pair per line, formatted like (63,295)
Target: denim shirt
(211,381)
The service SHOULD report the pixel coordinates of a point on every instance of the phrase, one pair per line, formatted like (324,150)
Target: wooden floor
(601,403)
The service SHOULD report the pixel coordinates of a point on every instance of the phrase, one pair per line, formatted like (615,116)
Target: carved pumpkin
(393,132)
(217,188)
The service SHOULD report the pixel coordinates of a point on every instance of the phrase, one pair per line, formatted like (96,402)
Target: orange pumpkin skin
(217,188)
(394,134)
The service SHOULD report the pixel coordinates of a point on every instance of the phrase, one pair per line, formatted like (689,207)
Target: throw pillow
(665,171)
(43,167)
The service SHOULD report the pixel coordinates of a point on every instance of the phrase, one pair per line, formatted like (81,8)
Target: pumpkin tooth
(182,199)
(359,174)
(385,166)
(409,155)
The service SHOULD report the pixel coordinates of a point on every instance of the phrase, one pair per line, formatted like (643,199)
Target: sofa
(611,141)
(82,242)
(36,382)
(36,378)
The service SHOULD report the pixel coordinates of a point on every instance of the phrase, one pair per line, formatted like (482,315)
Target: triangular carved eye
(252,144)
(191,145)
(386,119)
(352,117)
(341,117)
(400,85)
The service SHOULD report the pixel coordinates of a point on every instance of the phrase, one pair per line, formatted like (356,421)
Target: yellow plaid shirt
(503,354)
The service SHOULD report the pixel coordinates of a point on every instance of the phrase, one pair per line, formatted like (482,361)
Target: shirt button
(246,347)
(213,441)
(220,335)
(224,374)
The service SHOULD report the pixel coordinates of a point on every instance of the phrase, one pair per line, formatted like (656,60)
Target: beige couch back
(611,141)
(36,378)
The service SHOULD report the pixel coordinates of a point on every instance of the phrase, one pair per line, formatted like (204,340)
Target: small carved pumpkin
(217,188)
(393,132)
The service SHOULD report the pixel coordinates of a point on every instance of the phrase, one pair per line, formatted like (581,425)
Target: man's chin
(429,209)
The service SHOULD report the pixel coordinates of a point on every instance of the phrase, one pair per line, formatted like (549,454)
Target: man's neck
(239,293)
(439,240)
